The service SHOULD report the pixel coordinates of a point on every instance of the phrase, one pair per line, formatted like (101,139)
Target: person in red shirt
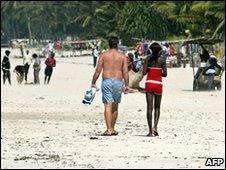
(50,63)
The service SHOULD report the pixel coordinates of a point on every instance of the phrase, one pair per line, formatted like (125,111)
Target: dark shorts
(48,71)
(6,73)
(26,68)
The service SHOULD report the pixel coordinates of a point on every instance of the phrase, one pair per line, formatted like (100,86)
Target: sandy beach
(47,126)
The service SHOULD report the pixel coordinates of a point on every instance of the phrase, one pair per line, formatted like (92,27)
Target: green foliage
(101,19)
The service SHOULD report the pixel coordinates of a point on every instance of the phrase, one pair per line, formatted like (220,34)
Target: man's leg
(48,79)
(37,76)
(50,74)
(114,115)
(26,72)
(4,77)
(35,81)
(108,117)
(95,61)
(8,77)
(45,79)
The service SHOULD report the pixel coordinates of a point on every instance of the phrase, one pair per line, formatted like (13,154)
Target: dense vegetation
(100,19)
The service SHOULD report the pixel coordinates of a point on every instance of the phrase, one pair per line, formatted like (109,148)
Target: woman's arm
(164,69)
(145,66)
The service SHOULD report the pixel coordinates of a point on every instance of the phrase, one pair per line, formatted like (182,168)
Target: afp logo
(214,161)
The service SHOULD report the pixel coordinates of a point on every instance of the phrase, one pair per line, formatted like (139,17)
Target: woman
(155,68)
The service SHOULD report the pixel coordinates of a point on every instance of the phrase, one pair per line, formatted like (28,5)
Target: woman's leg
(37,78)
(149,100)
(45,79)
(156,112)
(35,81)
(48,79)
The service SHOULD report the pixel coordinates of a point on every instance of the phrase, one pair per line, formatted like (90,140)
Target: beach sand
(47,126)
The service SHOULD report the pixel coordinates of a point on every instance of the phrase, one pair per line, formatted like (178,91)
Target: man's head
(52,54)
(34,55)
(7,52)
(113,42)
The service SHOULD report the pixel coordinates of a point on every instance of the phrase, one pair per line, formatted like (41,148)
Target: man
(27,62)
(6,67)
(37,68)
(95,56)
(115,70)
(50,63)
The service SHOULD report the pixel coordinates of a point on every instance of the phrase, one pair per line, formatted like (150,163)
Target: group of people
(115,80)
(22,70)
(210,68)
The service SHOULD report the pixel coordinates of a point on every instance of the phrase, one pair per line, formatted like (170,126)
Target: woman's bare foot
(150,134)
(155,132)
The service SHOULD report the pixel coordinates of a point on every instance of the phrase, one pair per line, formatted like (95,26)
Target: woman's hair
(205,55)
(130,55)
(155,48)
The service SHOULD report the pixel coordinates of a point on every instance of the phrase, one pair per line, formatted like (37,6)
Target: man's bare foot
(106,133)
(114,133)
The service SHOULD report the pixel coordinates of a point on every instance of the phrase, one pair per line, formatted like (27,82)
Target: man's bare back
(113,64)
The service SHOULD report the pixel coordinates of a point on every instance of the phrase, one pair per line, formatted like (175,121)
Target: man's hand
(127,90)
(94,85)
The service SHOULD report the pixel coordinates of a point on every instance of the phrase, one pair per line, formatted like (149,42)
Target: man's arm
(98,70)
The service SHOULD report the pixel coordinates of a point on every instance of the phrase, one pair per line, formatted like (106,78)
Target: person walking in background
(27,60)
(6,67)
(37,68)
(95,54)
(50,63)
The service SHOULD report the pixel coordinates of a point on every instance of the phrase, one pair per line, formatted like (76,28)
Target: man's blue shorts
(111,90)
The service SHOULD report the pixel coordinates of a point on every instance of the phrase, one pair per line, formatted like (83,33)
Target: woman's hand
(127,90)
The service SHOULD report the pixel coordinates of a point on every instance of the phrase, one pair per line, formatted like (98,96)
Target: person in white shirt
(95,55)
(27,60)
(37,68)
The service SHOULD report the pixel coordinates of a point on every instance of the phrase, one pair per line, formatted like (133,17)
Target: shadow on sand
(199,91)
